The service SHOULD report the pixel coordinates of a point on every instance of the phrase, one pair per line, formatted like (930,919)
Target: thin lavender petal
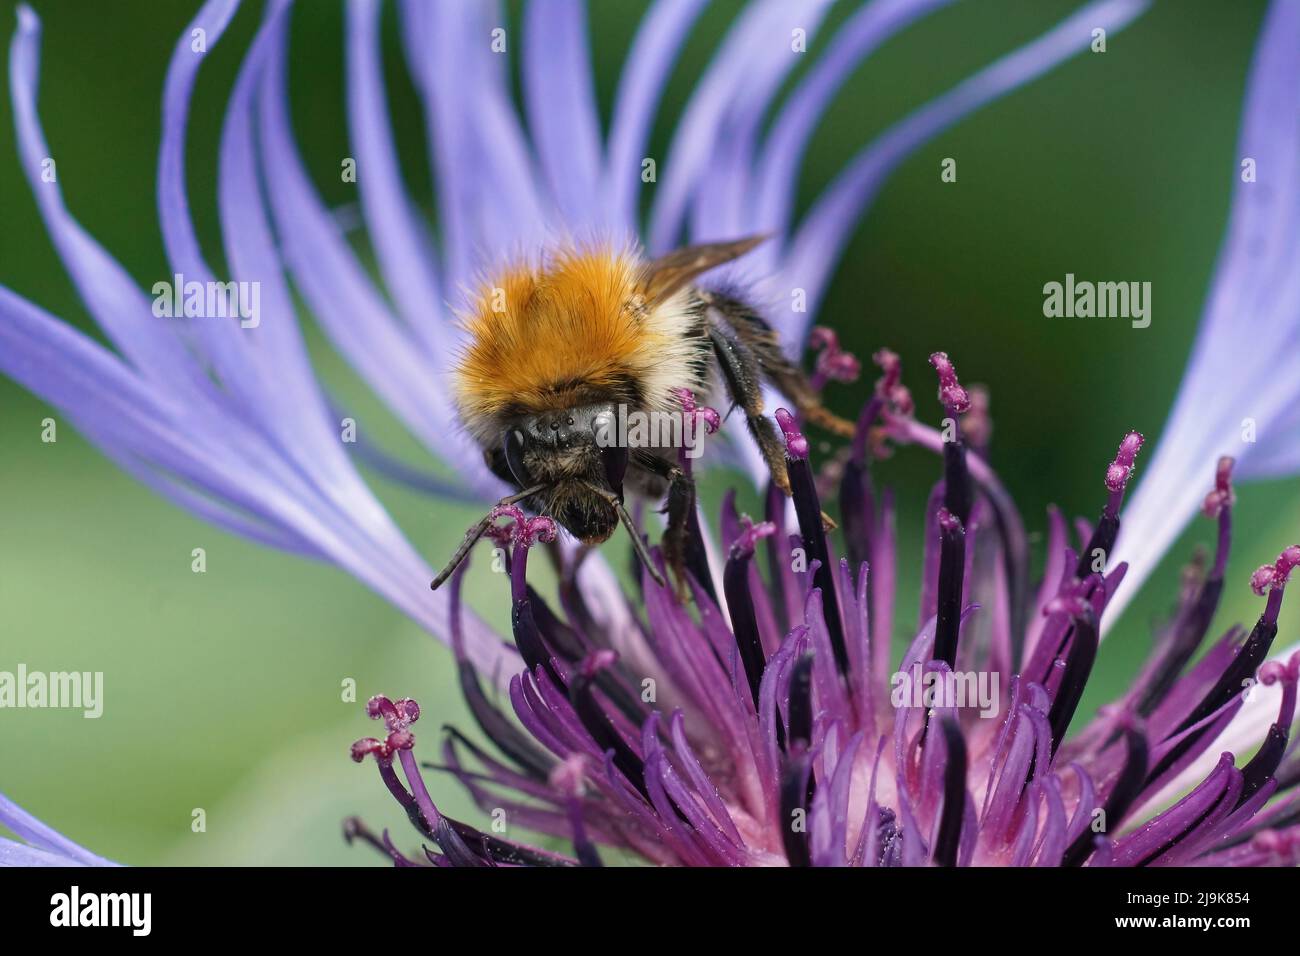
(118,305)
(393,222)
(42,838)
(342,296)
(735,80)
(818,242)
(793,127)
(561,104)
(657,44)
(1256,275)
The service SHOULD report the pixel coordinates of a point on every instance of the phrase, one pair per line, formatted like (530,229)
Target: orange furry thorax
(573,331)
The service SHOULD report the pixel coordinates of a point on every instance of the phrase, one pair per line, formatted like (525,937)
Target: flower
(232,423)
(41,845)
(770,733)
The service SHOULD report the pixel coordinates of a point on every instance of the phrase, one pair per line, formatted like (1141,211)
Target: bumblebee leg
(751,331)
(677,538)
(682,549)
(743,377)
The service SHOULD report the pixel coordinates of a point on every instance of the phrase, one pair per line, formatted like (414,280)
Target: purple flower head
(889,386)
(1121,469)
(769,703)
(700,420)
(1273,577)
(770,726)
(795,443)
(701,414)
(833,363)
(1222,497)
(954,398)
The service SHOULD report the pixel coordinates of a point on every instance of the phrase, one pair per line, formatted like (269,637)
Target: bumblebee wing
(670,272)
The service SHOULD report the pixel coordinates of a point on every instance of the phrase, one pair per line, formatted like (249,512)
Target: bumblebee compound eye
(514,449)
(613,454)
(615,461)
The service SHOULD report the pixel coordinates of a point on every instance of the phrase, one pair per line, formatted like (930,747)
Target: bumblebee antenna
(476,532)
(638,545)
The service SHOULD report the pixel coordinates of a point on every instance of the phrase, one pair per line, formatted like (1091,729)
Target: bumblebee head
(572,455)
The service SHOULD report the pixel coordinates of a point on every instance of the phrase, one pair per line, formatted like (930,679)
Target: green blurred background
(223,689)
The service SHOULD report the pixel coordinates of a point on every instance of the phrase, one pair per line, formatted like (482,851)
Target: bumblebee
(555,352)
